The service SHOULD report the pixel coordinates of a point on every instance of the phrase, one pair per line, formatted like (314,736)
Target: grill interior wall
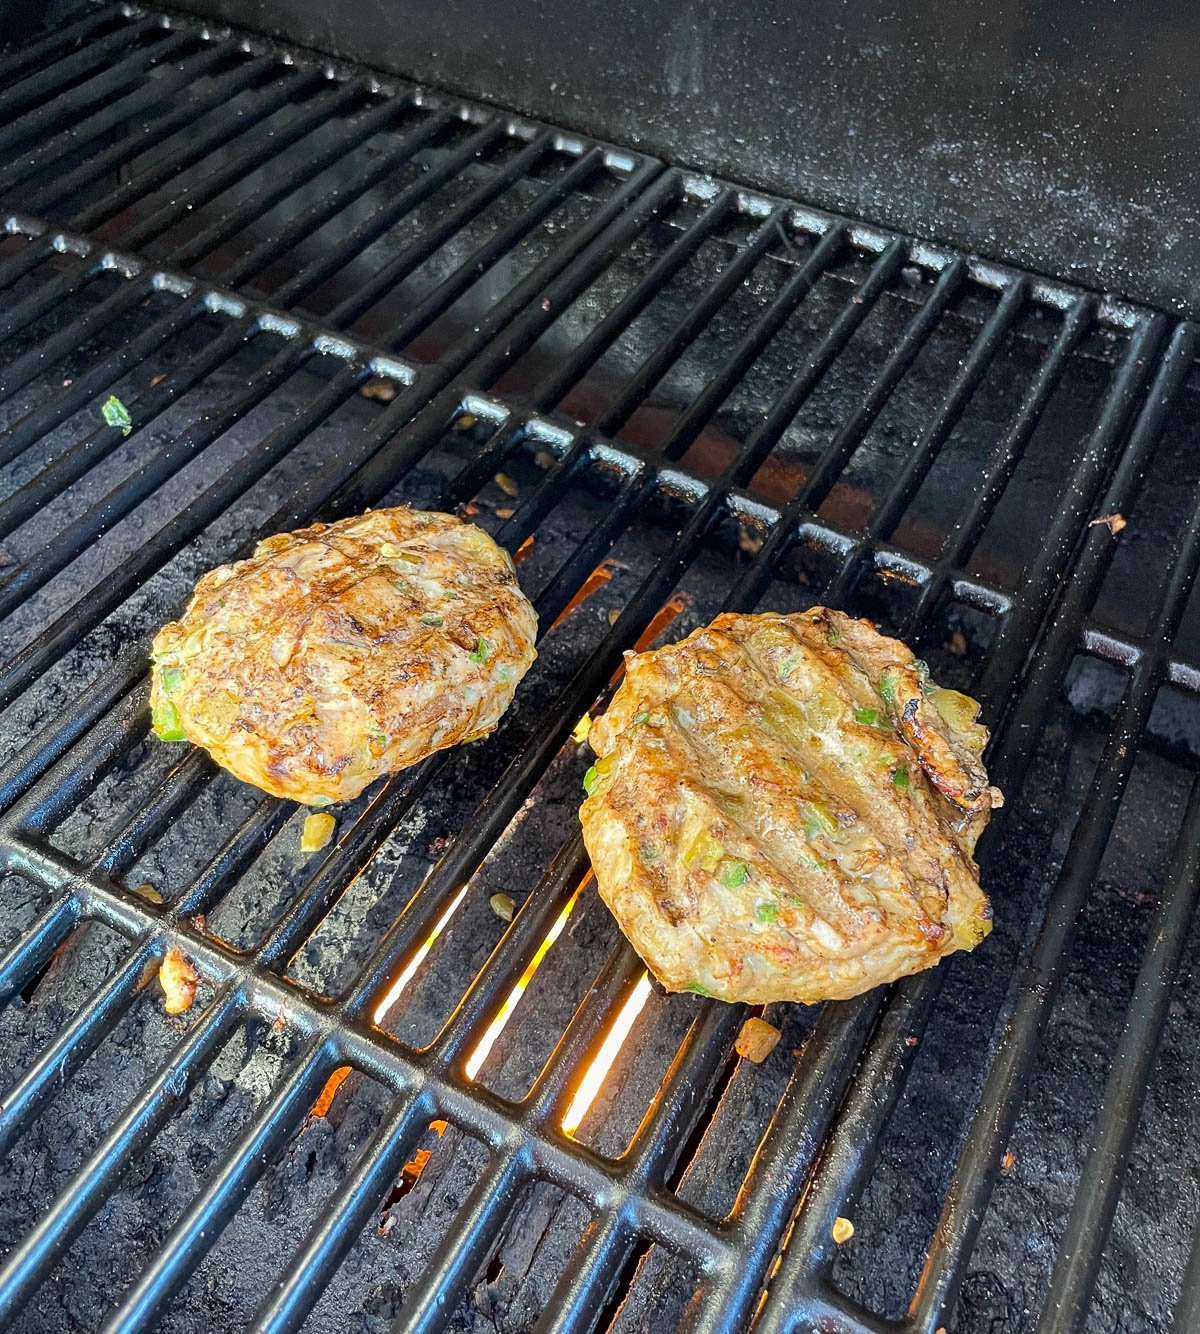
(314,293)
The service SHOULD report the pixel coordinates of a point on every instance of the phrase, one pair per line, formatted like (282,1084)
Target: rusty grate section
(315,292)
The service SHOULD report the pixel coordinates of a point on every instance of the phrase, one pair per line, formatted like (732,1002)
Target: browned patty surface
(345,651)
(785,807)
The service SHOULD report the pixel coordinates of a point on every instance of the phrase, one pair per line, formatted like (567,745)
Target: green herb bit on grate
(115,413)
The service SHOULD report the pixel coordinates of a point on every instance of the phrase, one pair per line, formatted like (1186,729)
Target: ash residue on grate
(893,1220)
(1151,1236)
(660,1287)
(254,1248)
(24,902)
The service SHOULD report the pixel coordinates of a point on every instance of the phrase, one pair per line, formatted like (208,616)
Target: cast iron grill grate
(317,292)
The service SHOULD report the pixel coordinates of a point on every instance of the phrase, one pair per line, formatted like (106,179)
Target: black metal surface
(1055,136)
(315,295)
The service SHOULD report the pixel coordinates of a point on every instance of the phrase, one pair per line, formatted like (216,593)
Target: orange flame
(418,959)
(601,1064)
(332,1084)
(592,584)
(486,1043)
(671,610)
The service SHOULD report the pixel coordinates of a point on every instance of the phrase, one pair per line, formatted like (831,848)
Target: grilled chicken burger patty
(786,807)
(345,651)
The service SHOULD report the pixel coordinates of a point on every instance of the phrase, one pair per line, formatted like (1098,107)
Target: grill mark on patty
(737,780)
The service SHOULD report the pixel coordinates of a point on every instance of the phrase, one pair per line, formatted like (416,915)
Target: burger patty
(345,651)
(786,808)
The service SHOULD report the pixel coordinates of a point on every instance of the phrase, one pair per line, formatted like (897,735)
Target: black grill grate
(317,293)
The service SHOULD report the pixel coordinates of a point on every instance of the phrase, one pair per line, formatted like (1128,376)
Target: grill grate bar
(1009,451)
(849,1152)
(833,460)
(974,368)
(194,1234)
(511,337)
(926,449)
(311,1266)
(39,811)
(557,1083)
(466,1247)
(423,314)
(117,156)
(398,269)
(470,1018)
(1002,1094)
(801,509)
(47,48)
(1082,1246)
(318,213)
(71,1046)
(30,1262)
(783,1163)
(606,332)
(669,1122)
(509,340)
(181,787)
(1077,500)
(77,136)
(103,440)
(708,402)
(15,267)
(606,1245)
(46,83)
(21,963)
(681,337)
(386,116)
(1062,636)
(533,508)
(291,85)
(766,436)
(579,1297)
(326,105)
(93,703)
(387,215)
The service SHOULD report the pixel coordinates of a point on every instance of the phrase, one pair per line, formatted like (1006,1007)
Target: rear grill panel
(326,293)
